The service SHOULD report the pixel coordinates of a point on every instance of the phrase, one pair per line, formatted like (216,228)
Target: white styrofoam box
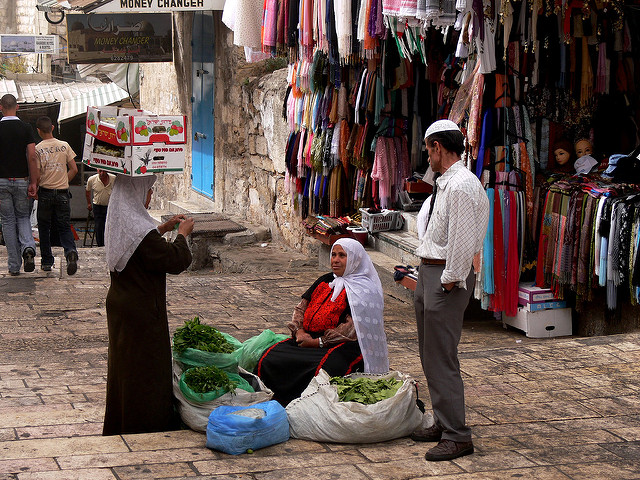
(137,160)
(543,323)
(156,158)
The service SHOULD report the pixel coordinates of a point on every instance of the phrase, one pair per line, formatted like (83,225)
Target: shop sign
(159,6)
(28,44)
(119,38)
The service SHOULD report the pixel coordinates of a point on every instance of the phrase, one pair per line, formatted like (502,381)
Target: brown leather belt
(433,261)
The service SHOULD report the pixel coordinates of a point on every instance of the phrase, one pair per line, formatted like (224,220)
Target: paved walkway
(559,408)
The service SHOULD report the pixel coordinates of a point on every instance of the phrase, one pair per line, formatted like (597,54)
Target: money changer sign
(119,38)
(156,6)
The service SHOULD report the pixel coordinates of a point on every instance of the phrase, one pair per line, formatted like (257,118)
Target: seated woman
(337,326)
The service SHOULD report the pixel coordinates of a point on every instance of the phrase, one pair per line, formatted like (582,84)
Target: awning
(74,98)
(107,94)
(84,6)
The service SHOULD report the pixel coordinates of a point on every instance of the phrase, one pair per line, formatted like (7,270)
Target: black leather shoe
(448,450)
(72,263)
(429,434)
(28,256)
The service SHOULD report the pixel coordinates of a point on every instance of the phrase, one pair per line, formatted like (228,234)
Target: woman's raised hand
(186,226)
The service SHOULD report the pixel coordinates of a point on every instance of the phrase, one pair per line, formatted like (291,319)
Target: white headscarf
(365,296)
(128,221)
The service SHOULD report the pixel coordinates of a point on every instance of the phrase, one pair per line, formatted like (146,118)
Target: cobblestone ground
(557,408)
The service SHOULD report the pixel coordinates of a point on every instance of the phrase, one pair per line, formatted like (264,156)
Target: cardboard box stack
(540,314)
(134,142)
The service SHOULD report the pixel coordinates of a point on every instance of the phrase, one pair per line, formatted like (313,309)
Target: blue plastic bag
(235,434)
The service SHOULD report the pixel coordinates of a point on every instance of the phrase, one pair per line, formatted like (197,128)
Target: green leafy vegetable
(365,390)
(199,336)
(208,379)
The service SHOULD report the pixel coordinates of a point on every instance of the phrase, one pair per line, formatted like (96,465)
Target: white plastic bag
(196,415)
(318,414)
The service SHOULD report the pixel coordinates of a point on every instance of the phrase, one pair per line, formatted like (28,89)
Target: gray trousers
(439,318)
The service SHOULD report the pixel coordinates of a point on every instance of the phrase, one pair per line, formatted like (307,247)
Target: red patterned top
(321,313)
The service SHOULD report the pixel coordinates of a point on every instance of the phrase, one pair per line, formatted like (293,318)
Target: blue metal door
(202,99)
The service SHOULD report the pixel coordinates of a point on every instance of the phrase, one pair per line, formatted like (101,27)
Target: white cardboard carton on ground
(543,323)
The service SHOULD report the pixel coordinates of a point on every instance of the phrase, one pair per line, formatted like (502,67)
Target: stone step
(400,245)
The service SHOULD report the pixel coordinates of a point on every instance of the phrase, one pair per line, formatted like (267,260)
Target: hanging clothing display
(521,79)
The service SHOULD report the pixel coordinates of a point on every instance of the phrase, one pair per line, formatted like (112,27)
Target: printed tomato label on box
(146,160)
(158,129)
(93,119)
(123,130)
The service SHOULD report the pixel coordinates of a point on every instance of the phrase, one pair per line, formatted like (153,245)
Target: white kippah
(441,126)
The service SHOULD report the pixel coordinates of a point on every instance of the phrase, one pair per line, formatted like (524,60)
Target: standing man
(18,182)
(101,183)
(457,223)
(56,161)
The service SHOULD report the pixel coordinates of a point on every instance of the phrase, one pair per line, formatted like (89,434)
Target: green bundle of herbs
(208,379)
(365,390)
(201,337)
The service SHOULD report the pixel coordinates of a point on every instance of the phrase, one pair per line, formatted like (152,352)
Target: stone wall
(250,141)
(22,17)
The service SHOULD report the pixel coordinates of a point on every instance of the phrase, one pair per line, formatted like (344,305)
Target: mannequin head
(562,160)
(562,156)
(583,147)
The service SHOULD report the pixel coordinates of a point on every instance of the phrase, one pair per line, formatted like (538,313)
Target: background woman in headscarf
(139,382)
(337,326)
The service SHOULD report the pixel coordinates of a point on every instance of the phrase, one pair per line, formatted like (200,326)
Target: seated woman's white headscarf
(128,221)
(365,296)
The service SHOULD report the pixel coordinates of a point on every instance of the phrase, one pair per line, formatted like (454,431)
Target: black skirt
(287,368)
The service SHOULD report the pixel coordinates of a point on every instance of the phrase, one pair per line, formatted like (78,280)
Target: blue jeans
(15,215)
(54,203)
(100,219)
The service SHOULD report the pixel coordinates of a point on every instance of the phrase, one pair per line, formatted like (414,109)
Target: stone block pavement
(555,408)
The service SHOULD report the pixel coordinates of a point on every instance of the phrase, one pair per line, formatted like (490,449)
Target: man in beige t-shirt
(56,161)
(101,184)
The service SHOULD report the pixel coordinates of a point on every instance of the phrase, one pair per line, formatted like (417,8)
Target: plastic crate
(380,222)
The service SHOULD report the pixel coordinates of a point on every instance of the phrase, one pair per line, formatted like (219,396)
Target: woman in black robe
(337,327)
(139,378)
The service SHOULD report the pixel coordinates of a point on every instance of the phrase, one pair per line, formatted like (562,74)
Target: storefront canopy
(74,98)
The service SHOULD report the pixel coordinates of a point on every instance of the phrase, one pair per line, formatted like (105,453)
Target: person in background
(455,229)
(56,162)
(139,369)
(337,326)
(101,184)
(18,182)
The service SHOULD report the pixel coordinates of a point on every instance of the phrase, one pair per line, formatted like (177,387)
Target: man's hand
(448,286)
(32,191)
